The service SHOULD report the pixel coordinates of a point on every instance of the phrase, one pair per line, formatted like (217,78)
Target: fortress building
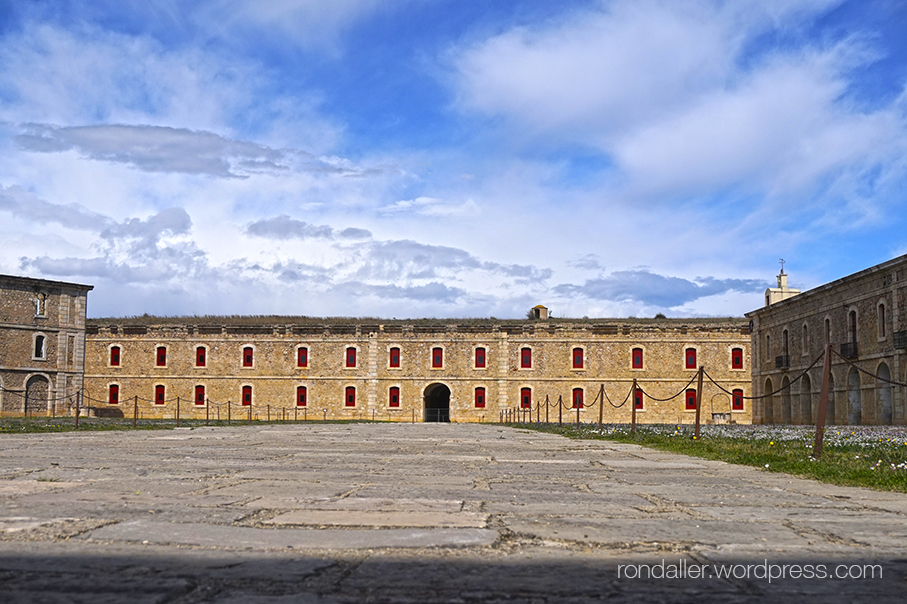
(421,370)
(42,344)
(864,317)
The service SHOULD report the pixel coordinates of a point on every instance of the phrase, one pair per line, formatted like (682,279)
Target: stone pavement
(338,513)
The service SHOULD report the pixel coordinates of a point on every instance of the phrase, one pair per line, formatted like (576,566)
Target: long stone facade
(426,370)
(42,344)
(864,316)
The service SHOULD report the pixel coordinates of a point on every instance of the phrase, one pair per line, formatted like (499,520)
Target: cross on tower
(782,265)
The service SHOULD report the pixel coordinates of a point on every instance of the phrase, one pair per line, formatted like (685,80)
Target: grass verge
(860,456)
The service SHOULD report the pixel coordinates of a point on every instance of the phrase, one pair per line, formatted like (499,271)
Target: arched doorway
(437,403)
(785,401)
(855,417)
(884,395)
(36,391)
(768,404)
(806,401)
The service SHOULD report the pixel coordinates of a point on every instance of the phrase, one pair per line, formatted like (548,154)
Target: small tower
(782,292)
(539,313)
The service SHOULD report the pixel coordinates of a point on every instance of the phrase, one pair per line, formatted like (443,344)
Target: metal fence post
(135,411)
(698,401)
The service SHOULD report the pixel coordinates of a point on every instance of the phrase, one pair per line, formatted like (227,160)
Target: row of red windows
(394,397)
(437,357)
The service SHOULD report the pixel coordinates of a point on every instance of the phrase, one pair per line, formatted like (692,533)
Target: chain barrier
(670,398)
(781,389)
(863,371)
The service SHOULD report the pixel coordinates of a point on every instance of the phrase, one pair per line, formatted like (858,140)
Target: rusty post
(601,406)
(560,410)
(546,409)
(295,413)
(228,413)
(633,414)
(207,411)
(269,413)
(823,403)
(135,411)
(698,401)
(78,399)
(538,412)
(577,405)
(177,412)
(250,412)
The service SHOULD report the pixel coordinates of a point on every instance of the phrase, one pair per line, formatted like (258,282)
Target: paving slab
(420,513)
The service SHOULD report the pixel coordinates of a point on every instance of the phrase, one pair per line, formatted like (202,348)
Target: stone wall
(49,315)
(274,374)
(878,298)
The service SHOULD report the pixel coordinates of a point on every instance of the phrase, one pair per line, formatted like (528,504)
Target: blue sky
(442,158)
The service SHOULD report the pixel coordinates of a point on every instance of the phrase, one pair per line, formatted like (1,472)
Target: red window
(437,357)
(737,404)
(247,356)
(480,398)
(114,356)
(526,358)
(113,394)
(394,397)
(691,399)
(480,358)
(161,357)
(526,398)
(577,358)
(578,398)
(160,395)
(246,395)
(350,357)
(301,393)
(302,357)
(394,360)
(690,358)
(350,396)
(637,398)
(737,358)
(201,356)
(200,395)
(637,358)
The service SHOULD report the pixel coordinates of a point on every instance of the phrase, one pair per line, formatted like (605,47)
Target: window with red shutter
(637,358)
(526,398)
(302,357)
(200,398)
(201,356)
(301,394)
(737,404)
(247,356)
(737,358)
(480,398)
(350,396)
(113,394)
(394,360)
(161,356)
(577,358)
(114,356)
(394,397)
(437,358)
(525,358)
(690,357)
(350,357)
(160,395)
(577,398)
(246,396)
(691,398)
(637,399)
(480,358)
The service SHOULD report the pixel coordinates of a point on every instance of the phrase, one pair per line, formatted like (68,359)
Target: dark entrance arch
(437,403)
(37,390)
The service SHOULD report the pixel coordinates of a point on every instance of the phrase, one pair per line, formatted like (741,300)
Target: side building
(42,345)
(422,370)
(864,316)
